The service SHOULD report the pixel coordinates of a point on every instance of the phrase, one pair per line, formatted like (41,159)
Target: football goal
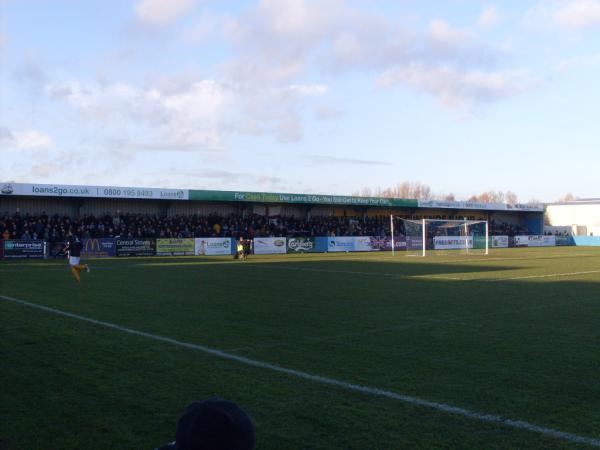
(438,236)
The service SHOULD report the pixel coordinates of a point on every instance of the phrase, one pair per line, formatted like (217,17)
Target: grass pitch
(515,334)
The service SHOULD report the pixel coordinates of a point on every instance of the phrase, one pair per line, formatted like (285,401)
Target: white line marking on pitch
(549,275)
(526,277)
(373,391)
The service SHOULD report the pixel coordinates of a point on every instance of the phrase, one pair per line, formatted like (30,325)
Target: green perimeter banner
(175,247)
(317,199)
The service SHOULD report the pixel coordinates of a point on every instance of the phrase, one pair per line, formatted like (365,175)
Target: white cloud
(577,14)
(567,15)
(161,13)
(442,34)
(31,139)
(189,115)
(282,41)
(456,88)
(489,17)
(588,60)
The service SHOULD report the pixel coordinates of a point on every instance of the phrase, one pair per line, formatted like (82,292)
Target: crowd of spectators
(56,228)
(507,229)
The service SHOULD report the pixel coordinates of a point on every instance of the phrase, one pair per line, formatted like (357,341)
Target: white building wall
(576,215)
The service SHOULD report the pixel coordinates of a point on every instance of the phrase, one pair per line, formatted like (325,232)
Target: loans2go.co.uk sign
(61,190)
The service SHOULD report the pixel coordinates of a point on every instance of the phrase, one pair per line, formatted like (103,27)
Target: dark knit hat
(214,424)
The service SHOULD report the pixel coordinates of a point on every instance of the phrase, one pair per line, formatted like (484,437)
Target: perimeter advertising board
(269,245)
(20,248)
(1,248)
(378,243)
(535,241)
(452,242)
(212,246)
(563,240)
(99,248)
(363,244)
(499,241)
(175,247)
(136,247)
(414,243)
(301,245)
(340,244)
(61,190)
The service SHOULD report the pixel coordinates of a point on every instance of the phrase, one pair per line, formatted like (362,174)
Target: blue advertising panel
(99,248)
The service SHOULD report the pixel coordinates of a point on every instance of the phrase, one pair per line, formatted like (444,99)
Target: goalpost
(439,236)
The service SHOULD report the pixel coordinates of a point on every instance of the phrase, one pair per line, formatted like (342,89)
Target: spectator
(55,228)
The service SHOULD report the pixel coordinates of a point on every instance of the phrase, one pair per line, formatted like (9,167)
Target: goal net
(434,236)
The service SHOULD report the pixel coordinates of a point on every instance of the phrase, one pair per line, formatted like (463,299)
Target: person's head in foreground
(213,424)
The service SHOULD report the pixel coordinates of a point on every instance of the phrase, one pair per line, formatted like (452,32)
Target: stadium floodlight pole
(423,237)
(392,231)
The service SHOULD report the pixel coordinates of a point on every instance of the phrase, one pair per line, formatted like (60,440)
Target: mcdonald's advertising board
(99,248)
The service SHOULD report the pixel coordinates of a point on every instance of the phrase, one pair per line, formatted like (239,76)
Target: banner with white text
(62,190)
(452,242)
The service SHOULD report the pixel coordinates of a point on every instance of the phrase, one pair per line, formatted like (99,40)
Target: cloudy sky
(324,96)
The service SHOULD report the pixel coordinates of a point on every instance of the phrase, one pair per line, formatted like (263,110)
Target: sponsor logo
(92,245)
(16,245)
(279,243)
(300,244)
(336,243)
(7,189)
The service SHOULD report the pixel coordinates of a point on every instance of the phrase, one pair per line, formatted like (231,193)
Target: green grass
(471,332)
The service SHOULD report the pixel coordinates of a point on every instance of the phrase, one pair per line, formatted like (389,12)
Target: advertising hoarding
(136,247)
(21,248)
(269,245)
(212,246)
(340,244)
(535,241)
(99,248)
(301,245)
(452,242)
(385,243)
(499,241)
(175,246)
(62,190)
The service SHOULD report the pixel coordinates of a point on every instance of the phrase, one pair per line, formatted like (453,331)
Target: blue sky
(326,96)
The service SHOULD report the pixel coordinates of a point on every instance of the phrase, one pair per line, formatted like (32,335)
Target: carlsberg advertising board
(301,245)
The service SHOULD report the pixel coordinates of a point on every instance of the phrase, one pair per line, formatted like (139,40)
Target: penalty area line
(367,390)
